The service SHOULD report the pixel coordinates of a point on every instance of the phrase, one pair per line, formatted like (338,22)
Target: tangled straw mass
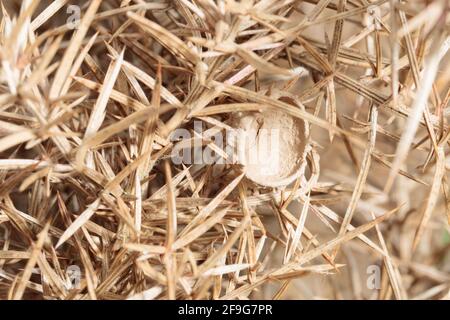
(94,95)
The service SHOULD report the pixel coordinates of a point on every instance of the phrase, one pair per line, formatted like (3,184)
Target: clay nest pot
(272,146)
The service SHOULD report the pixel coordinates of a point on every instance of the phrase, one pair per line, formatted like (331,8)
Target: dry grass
(87,116)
